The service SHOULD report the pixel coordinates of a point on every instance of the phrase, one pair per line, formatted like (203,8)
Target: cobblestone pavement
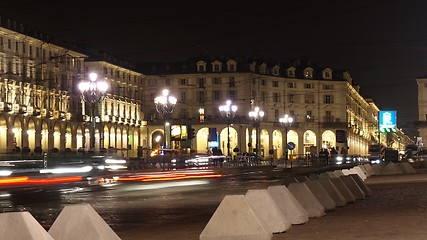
(396,209)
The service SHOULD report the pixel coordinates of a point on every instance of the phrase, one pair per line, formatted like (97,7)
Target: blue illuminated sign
(387,121)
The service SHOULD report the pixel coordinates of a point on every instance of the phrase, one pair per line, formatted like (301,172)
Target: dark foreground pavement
(397,209)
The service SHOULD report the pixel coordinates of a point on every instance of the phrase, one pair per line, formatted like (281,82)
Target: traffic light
(191,132)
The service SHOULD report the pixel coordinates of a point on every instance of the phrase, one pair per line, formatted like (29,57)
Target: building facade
(42,109)
(322,102)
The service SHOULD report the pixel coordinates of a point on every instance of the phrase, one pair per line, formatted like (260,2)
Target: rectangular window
(276,97)
(183,81)
(276,114)
(309,98)
(328,99)
(291,98)
(232,95)
(167,82)
(275,84)
(263,82)
(216,68)
(231,82)
(328,116)
(183,97)
(201,97)
(309,116)
(217,80)
(216,95)
(308,85)
(201,82)
(292,85)
(328,87)
(264,96)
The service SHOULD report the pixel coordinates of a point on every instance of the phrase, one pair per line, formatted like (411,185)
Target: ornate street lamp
(93,92)
(228,111)
(286,122)
(256,116)
(165,105)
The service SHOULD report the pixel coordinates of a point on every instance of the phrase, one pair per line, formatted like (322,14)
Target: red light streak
(25,180)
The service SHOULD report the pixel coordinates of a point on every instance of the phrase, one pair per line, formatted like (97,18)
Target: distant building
(321,100)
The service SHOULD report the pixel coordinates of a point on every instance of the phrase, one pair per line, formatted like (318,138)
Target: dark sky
(383,43)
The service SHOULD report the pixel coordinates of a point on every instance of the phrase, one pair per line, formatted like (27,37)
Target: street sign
(290,146)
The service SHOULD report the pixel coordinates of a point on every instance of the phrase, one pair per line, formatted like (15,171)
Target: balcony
(46,113)
(331,122)
(5,106)
(19,108)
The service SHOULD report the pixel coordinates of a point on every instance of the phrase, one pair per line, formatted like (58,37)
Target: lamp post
(93,92)
(257,115)
(286,122)
(228,111)
(165,105)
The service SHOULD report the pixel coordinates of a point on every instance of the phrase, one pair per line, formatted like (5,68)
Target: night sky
(382,43)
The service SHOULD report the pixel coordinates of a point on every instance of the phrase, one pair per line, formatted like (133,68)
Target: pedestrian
(333,151)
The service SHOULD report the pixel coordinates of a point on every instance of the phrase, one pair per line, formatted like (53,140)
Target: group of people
(324,153)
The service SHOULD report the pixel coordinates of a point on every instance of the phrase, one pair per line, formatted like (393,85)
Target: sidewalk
(397,209)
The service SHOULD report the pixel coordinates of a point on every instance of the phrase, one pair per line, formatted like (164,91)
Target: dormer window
(262,68)
(308,73)
(216,66)
(231,66)
(290,72)
(276,70)
(252,66)
(327,73)
(201,66)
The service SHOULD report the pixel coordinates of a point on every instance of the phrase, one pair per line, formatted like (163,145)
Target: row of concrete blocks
(392,168)
(260,213)
(77,221)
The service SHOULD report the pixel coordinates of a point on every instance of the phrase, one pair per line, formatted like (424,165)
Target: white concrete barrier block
(267,211)
(369,169)
(353,187)
(307,199)
(348,195)
(391,168)
(320,193)
(360,172)
(21,226)
(406,167)
(333,192)
(338,173)
(361,184)
(378,168)
(81,221)
(234,219)
(288,204)
(365,171)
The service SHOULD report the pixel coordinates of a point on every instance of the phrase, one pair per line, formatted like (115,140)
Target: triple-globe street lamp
(165,105)
(228,111)
(286,122)
(93,92)
(256,116)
